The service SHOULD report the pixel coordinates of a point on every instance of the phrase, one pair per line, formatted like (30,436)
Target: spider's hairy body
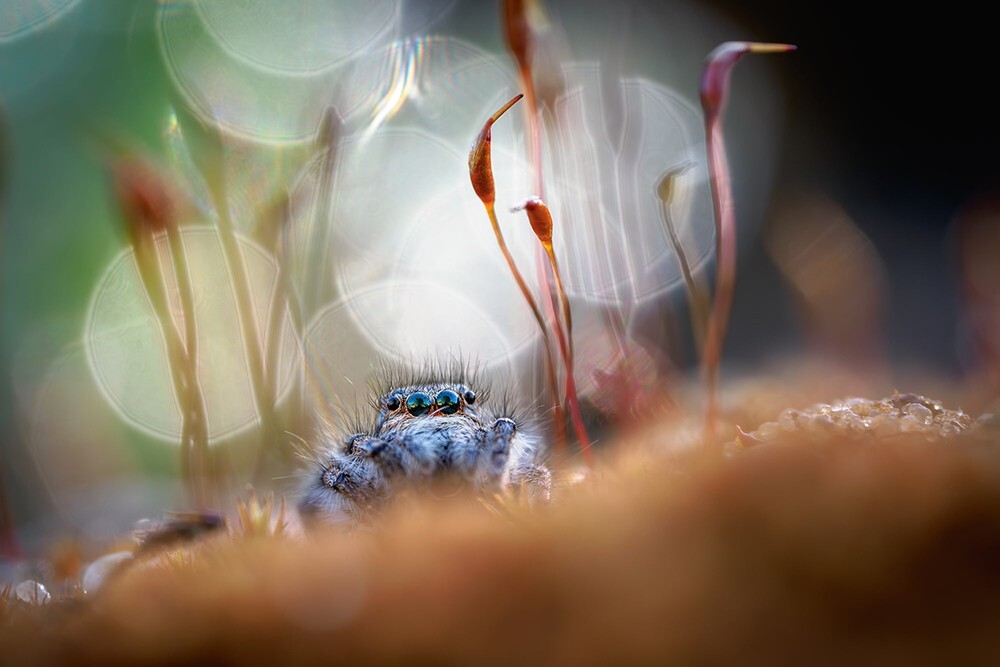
(422,430)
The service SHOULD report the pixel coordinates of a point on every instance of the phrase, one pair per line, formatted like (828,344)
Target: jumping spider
(422,432)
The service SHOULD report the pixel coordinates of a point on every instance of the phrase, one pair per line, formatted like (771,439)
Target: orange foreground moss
(842,553)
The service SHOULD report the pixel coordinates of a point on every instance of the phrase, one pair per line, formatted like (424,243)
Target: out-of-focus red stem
(534,129)
(725,280)
(714,93)
(566,350)
(521,40)
(9,546)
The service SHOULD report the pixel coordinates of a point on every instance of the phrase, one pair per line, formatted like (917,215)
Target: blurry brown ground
(847,552)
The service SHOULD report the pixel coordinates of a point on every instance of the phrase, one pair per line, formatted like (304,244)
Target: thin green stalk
(148,208)
(143,246)
(315,273)
(195,429)
(282,302)
(240,281)
(210,161)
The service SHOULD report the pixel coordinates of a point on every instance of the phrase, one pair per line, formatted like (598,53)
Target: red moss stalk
(714,95)
(541,223)
(481,175)
(9,545)
(519,34)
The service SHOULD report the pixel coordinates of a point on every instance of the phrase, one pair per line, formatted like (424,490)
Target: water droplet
(859,406)
(919,412)
(911,423)
(30,591)
(97,572)
(824,420)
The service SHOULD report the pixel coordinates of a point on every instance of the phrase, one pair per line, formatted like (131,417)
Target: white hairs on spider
(440,420)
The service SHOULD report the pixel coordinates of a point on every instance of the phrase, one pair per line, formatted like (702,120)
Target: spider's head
(427,401)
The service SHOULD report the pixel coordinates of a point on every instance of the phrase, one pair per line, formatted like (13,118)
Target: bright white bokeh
(394,255)
(241,98)
(401,210)
(403,213)
(19,18)
(298,37)
(617,138)
(410,325)
(443,85)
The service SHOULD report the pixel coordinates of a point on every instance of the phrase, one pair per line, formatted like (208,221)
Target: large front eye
(447,402)
(418,403)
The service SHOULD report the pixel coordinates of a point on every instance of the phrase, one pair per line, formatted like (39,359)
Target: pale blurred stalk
(211,163)
(149,211)
(696,295)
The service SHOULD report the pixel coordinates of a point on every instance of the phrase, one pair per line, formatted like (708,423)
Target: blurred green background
(95,67)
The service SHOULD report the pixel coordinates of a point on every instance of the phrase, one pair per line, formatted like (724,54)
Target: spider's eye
(470,396)
(447,402)
(418,403)
(392,403)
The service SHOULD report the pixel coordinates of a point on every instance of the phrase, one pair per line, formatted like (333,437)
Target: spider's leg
(514,452)
(533,479)
(496,450)
(342,488)
(494,453)
(388,453)
(402,455)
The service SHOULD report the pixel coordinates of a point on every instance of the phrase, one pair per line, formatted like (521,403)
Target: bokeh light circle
(409,324)
(244,100)
(127,353)
(604,170)
(19,18)
(302,36)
